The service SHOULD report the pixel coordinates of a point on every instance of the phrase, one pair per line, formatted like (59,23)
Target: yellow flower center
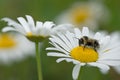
(80,15)
(6,41)
(29,34)
(84,54)
(35,38)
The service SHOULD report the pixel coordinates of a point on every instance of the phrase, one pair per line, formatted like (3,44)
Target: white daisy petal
(104,71)
(14,24)
(105,40)
(62,28)
(75,72)
(52,48)
(59,42)
(104,43)
(58,47)
(110,62)
(57,54)
(6,29)
(78,33)
(110,54)
(30,22)
(85,31)
(68,60)
(77,62)
(55,49)
(61,59)
(48,24)
(103,67)
(71,38)
(66,41)
(24,24)
(11,22)
(39,25)
(97,36)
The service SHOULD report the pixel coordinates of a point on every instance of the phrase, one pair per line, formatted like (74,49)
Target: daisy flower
(14,48)
(35,32)
(81,48)
(84,14)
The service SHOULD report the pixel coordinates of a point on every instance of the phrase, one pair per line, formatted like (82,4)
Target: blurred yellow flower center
(7,41)
(80,15)
(29,34)
(35,38)
(84,54)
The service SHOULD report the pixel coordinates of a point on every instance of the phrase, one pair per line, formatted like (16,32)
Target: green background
(47,10)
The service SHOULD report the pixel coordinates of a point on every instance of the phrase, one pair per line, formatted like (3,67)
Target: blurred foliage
(47,10)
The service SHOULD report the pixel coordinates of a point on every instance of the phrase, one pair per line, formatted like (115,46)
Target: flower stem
(38,60)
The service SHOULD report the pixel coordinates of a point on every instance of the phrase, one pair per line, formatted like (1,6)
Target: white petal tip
(58,61)
(5,30)
(3,19)
(85,27)
(27,15)
(48,54)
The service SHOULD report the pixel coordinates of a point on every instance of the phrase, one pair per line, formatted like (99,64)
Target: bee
(88,42)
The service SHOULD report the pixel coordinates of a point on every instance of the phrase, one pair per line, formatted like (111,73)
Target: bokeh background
(47,10)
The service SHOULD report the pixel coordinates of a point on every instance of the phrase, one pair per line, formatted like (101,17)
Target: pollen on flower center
(84,54)
(6,41)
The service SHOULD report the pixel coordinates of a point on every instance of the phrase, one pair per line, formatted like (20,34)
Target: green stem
(38,59)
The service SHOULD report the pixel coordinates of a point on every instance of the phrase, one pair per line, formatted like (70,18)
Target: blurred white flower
(82,48)
(14,47)
(81,14)
(34,32)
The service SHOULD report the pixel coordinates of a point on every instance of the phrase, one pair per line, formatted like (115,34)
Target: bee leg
(84,47)
(94,48)
(80,42)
